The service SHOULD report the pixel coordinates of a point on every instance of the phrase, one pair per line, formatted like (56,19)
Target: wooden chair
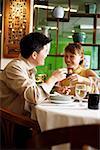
(16,129)
(22,133)
(77,136)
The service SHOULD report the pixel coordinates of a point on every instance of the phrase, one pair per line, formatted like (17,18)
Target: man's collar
(29,66)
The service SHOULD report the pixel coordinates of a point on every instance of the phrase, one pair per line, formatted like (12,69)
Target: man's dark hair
(33,42)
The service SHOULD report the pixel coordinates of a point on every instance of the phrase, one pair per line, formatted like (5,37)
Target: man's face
(40,59)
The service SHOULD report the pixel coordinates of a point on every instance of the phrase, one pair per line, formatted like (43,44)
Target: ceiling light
(70,36)
(43,6)
(58,12)
(51,28)
(73,31)
(88,27)
(51,7)
(71,10)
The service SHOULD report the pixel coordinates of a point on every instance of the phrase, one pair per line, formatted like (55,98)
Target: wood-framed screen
(16,25)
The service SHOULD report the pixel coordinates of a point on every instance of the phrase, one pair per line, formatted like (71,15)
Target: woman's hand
(75,78)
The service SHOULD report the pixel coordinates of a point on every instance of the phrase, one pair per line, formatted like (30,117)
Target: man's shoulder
(15,64)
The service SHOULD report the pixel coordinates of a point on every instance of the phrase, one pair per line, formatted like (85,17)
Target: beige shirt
(18,86)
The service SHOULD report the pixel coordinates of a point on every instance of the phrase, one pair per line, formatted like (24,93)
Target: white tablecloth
(51,115)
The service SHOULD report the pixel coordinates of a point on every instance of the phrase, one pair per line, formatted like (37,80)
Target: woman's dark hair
(33,42)
(75,48)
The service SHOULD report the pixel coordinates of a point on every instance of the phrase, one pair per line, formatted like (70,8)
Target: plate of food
(60,97)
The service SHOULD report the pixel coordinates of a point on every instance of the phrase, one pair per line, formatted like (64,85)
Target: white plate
(61,102)
(60,97)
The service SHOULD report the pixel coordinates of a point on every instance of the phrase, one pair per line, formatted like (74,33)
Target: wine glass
(80,91)
(95,85)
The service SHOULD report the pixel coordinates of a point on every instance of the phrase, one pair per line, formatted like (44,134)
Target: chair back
(77,136)
(16,129)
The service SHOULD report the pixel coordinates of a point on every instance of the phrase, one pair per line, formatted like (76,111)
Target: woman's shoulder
(90,72)
(86,72)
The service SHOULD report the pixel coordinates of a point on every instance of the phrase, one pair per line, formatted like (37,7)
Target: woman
(74,59)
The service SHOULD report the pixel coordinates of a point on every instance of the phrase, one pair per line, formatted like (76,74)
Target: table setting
(62,101)
(65,114)
(62,110)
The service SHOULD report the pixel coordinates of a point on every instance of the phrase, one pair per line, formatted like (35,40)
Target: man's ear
(34,55)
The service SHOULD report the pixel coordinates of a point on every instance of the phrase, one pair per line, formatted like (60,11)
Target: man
(17,81)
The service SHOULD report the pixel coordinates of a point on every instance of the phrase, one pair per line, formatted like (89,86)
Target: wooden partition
(16,25)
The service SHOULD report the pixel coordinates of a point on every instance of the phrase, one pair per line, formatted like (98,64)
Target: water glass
(80,91)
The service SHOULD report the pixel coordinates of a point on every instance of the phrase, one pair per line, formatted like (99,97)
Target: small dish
(60,97)
(61,102)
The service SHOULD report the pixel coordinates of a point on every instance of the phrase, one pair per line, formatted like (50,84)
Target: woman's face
(72,60)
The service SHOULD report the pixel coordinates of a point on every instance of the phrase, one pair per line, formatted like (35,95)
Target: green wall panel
(51,64)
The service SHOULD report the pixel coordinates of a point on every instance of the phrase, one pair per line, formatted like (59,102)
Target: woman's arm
(76,78)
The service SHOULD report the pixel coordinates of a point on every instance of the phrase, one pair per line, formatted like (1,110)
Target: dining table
(51,114)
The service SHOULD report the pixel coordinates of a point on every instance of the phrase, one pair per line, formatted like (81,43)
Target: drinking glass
(80,91)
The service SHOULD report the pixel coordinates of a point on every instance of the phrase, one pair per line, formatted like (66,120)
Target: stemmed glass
(80,91)
(94,85)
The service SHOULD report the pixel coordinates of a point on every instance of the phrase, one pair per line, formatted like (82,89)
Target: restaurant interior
(64,21)
(83,18)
